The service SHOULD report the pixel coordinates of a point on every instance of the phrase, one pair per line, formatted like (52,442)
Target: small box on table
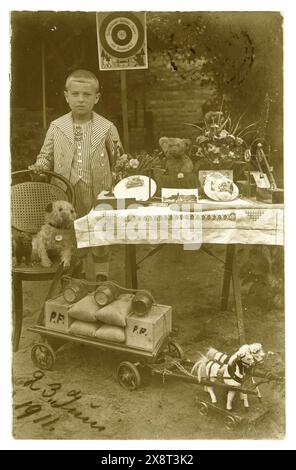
(147,331)
(271,196)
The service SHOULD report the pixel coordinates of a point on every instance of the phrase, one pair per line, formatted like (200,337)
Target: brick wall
(160,101)
(175,97)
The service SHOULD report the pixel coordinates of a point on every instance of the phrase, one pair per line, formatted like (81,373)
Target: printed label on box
(56,314)
(147,331)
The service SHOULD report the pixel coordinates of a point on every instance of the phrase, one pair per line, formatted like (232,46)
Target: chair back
(30,198)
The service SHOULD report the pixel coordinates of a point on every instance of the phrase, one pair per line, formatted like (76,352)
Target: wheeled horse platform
(248,418)
(180,370)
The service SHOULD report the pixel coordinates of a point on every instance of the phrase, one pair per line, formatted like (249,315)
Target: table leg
(231,271)
(230,249)
(238,300)
(17,309)
(90,274)
(131,279)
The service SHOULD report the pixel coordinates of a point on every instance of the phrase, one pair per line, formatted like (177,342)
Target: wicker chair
(30,195)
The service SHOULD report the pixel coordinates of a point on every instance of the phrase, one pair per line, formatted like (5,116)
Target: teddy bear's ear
(48,207)
(187,142)
(163,142)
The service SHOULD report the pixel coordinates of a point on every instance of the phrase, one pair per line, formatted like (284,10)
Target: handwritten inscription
(29,408)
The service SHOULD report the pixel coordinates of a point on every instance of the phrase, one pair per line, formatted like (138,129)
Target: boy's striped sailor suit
(100,143)
(84,154)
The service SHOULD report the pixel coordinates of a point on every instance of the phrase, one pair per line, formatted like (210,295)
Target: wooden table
(239,222)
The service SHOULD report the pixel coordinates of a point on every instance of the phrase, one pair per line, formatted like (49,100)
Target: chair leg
(17,310)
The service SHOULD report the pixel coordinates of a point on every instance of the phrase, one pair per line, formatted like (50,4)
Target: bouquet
(135,164)
(219,141)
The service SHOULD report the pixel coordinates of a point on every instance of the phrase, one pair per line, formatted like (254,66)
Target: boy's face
(81,98)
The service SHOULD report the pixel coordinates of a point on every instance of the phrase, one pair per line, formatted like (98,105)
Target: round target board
(121,34)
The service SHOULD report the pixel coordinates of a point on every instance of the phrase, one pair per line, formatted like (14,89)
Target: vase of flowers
(221,145)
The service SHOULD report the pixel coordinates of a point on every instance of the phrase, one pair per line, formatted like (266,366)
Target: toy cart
(166,360)
(136,356)
(43,353)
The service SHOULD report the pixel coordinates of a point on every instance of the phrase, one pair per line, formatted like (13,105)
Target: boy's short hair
(83,76)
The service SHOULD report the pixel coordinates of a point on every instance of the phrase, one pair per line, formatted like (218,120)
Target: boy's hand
(37,168)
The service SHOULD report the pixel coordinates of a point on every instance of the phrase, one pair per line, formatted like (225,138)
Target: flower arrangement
(140,163)
(219,141)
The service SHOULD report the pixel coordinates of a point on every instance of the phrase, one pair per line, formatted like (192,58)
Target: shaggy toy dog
(57,234)
(21,247)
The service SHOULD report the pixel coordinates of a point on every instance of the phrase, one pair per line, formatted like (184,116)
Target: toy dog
(57,234)
(21,247)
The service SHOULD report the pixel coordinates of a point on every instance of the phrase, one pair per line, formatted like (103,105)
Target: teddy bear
(175,151)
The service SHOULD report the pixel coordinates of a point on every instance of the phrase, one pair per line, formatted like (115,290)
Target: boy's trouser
(83,205)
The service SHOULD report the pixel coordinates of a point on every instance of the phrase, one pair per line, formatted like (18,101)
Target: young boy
(82,146)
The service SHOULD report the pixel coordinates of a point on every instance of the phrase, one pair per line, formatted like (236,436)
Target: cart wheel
(230,423)
(128,376)
(43,356)
(174,350)
(203,408)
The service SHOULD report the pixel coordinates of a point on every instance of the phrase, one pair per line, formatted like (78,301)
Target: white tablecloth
(240,221)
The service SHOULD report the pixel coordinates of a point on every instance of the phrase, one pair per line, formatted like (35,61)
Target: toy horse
(231,373)
(255,349)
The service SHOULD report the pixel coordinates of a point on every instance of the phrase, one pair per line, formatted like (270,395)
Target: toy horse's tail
(211,353)
(198,368)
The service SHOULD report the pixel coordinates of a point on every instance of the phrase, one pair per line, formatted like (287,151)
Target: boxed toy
(147,331)
(56,314)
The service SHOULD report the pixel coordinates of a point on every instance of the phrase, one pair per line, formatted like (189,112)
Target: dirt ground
(189,281)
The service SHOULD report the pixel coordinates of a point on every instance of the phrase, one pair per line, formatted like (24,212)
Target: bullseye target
(121,40)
